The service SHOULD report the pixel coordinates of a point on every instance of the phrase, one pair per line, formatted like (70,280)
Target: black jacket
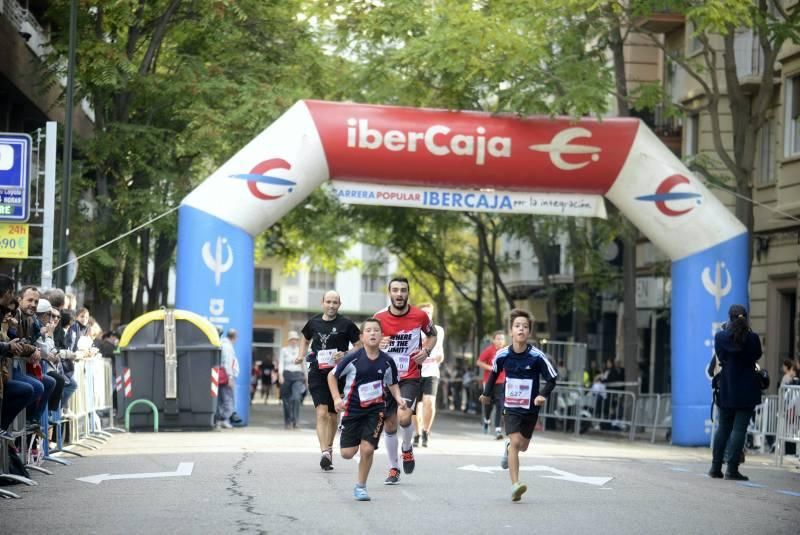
(738,383)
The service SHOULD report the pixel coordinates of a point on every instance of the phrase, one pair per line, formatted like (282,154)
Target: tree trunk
(541,256)
(126,289)
(630,334)
(478,306)
(162,261)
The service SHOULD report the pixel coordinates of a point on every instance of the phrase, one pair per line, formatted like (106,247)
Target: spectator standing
(267,371)
(738,349)
(292,381)
(225,399)
(788,373)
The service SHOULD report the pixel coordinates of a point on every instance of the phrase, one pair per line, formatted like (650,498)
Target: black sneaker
(736,476)
(408,461)
(325,462)
(415,442)
(715,474)
(424,439)
(394,477)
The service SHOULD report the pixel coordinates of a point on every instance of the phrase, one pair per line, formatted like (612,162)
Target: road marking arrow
(597,481)
(184,469)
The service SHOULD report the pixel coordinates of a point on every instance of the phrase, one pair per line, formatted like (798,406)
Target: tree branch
(158,36)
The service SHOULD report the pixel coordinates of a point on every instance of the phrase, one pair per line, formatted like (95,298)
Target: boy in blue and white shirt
(367,372)
(524,365)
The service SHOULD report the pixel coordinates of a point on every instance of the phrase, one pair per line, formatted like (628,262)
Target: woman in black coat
(738,349)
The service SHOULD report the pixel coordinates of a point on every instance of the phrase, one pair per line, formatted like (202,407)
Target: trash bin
(169,357)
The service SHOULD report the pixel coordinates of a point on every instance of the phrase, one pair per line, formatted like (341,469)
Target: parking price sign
(13,240)
(15,174)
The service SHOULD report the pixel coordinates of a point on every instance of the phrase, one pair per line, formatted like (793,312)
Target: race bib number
(325,358)
(518,393)
(370,393)
(402,363)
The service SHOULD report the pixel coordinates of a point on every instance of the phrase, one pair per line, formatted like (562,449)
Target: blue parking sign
(15,176)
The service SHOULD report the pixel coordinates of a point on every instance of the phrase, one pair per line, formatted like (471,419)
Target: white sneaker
(226,424)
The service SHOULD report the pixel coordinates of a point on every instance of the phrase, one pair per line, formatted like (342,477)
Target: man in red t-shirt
(403,326)
(485,361)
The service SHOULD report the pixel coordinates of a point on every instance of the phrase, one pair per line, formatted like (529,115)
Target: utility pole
(63,234)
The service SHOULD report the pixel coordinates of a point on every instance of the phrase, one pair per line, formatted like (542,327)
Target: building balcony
(669,129)
(266,296)
(749,61)
(662,21)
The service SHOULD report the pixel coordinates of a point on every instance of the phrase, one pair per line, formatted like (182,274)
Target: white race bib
(402,363)
(370,393)
(325,358)
(518,393)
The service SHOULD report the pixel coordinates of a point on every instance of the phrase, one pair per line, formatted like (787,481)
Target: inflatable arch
(394,147)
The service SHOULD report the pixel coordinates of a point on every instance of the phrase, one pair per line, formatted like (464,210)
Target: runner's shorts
(410,390)
(430,386)
(364,427)
(321,394)
(522,424)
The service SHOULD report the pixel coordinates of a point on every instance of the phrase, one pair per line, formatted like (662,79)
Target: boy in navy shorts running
(523,364)
(366,373)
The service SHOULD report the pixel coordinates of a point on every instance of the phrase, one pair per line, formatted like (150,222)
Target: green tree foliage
(176,88)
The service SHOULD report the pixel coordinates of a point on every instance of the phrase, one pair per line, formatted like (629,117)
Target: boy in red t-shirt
(485,361)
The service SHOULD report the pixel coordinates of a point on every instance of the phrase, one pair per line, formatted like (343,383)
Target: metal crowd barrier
(95,383)
(764,423)
(788,420)
(653,412)
(92,397)
(611,410)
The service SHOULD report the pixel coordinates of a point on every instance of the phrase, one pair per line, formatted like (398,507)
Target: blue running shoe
(360,494)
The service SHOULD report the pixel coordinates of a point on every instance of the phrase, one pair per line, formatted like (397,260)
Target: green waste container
(169,357)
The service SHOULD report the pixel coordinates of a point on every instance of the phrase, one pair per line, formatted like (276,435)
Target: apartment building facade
(285,299)
(775,192)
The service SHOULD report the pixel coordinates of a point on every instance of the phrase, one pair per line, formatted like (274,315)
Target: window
(791,141)
(372,283)
(266,345)
(262,285)
(766,154)
(694,46)
(552,259)
(321,280)
(692,135)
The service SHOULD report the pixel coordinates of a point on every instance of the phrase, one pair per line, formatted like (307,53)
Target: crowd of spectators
(42,335)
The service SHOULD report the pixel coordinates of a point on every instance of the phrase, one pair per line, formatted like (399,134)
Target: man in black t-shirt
(329,336)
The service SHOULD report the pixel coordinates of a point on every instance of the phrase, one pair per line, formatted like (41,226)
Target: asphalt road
(263,479)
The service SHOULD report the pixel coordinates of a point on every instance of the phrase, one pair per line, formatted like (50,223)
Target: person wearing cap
(738,350)
(292,380)
(47,318)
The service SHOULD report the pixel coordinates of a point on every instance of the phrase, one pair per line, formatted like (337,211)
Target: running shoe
(408,461)
(360,494)
(394,477)
(415,443)
(517,490)
(226,424)
(424,439)
(325,462)
(504,460)
(498,435)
